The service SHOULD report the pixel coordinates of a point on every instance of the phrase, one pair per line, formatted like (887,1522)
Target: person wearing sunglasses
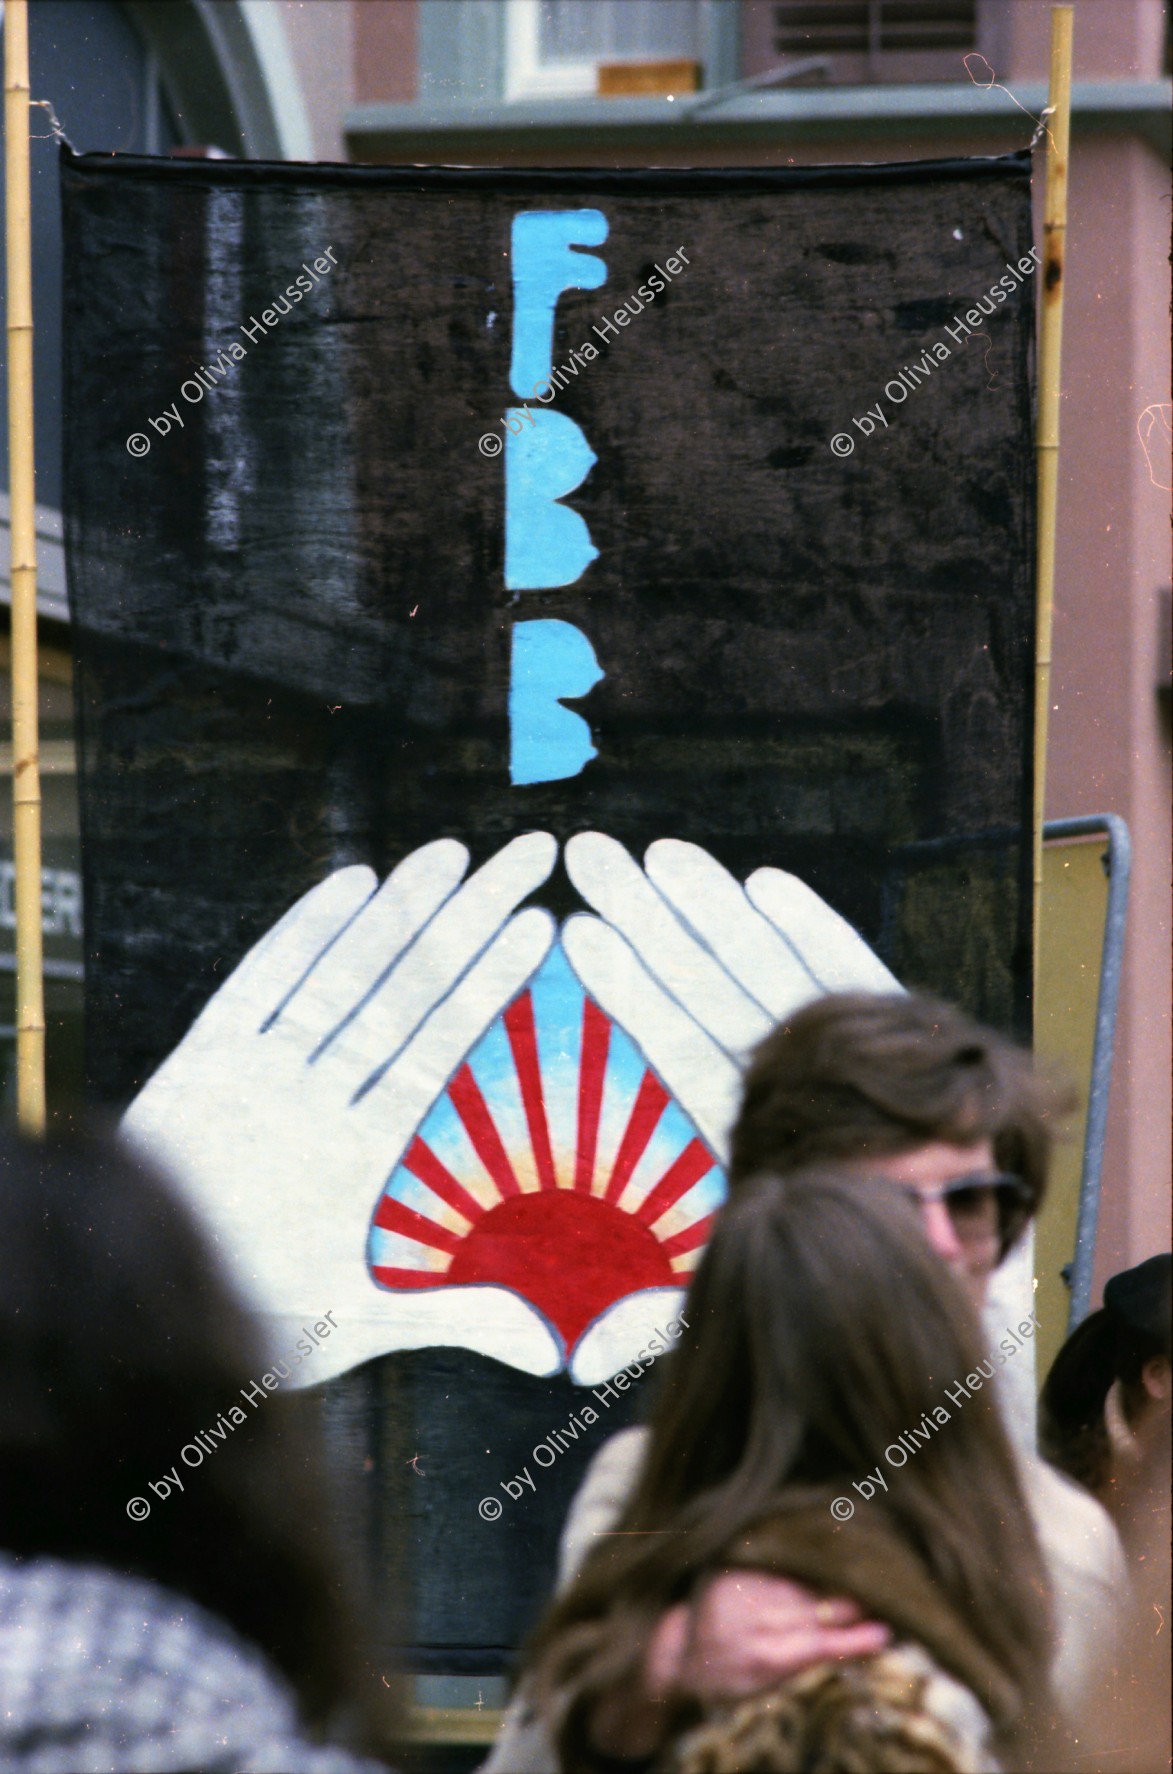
(973,1220)
(985,1211)
(900,1092)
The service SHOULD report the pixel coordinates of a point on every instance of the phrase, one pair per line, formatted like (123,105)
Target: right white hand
(697,968)
(290,1101)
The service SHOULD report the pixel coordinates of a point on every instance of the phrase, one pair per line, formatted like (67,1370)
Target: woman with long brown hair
(826,1418)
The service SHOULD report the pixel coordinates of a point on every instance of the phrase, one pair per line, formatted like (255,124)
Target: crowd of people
(827,1548)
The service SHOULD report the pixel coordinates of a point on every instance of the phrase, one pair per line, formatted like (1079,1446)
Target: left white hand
(290,1101)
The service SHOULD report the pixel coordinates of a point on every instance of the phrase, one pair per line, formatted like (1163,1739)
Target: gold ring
(825,1613)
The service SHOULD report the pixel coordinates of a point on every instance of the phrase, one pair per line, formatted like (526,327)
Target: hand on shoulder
(747,1629)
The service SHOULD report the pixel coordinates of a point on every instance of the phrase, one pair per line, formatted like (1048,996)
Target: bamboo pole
(1047,430)
(26,775)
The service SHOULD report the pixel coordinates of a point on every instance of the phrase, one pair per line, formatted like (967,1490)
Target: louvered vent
(863,27)
(878,39)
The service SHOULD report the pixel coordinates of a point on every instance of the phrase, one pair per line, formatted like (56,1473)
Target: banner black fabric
(806,577)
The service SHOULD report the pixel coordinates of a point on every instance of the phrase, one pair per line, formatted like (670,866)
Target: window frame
(465,49)
(525,76)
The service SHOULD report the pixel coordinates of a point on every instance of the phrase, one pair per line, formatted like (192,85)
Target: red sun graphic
(569,1255)
(583,1192)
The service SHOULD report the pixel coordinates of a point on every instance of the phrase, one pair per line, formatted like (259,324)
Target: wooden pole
(1047,433)
(26,775)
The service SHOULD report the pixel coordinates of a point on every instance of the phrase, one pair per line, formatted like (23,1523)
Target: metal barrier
(1118,864)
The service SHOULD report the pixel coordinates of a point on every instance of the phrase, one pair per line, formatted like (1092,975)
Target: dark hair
(820,1324)
(855,1074)
(119,1342)
(1111,1344)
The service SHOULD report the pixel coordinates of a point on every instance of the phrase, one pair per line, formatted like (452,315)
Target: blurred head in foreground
(119,1345)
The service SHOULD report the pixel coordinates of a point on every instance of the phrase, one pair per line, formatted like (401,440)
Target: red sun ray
(523,1039)
(690,1239)
(387,1276)
(473,1110)
(693,1163)
(423,1163)
(596,1038)
(393,1216)
(649,1105)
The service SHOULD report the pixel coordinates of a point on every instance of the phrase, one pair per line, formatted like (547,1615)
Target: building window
(555,48)
(488,52)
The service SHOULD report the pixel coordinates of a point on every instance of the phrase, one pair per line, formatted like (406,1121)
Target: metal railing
(1118,864)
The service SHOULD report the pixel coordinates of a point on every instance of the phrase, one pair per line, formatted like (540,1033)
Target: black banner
(685,518)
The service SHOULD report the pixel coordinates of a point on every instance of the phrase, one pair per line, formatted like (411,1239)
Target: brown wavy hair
(820,1325)
(855,1074)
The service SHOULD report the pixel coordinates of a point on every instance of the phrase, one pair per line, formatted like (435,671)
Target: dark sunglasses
(981,1207)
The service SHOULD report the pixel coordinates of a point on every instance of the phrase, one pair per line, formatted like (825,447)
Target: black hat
(1140,1298)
